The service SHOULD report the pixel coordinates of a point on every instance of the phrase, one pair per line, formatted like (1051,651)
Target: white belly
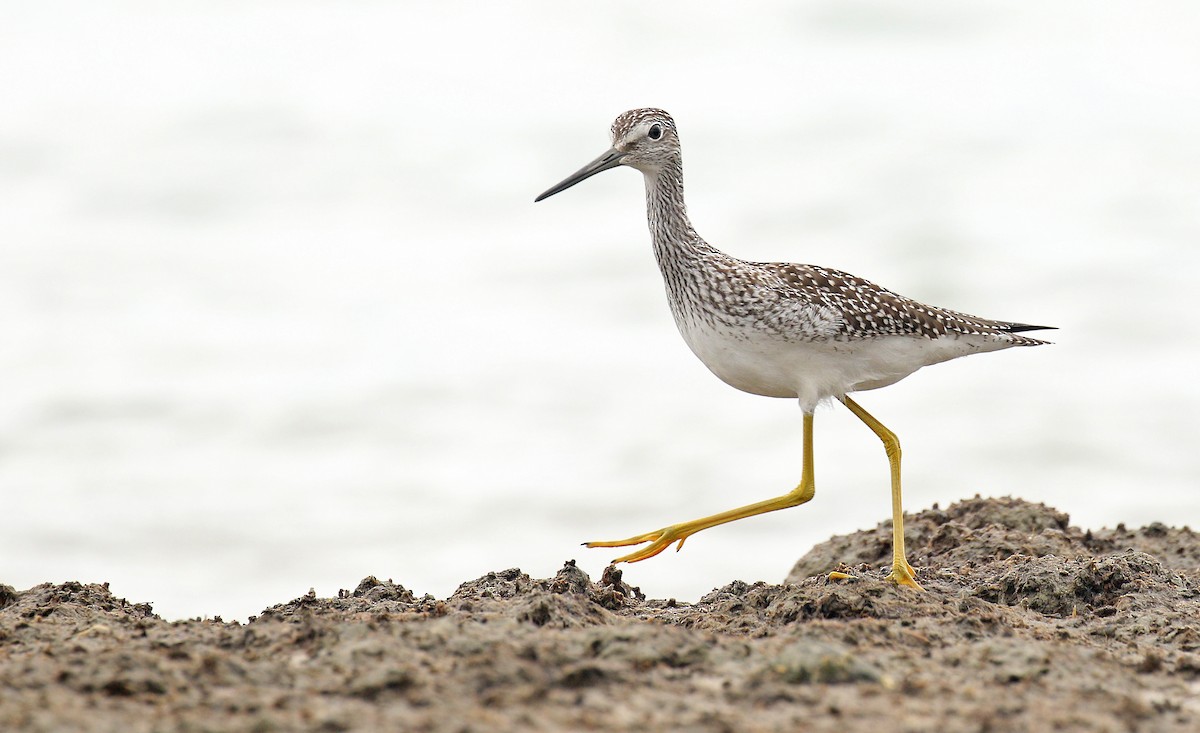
(812,371)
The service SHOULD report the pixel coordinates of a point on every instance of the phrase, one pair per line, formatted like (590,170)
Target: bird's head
(645,139)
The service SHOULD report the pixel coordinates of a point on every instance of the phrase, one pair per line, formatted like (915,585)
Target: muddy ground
(1028,624)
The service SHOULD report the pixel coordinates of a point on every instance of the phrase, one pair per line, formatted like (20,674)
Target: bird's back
(867,311)
(789,330)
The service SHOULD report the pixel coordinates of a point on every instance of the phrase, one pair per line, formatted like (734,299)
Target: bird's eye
(655,132)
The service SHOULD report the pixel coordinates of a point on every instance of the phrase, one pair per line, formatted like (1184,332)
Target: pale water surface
(277,310)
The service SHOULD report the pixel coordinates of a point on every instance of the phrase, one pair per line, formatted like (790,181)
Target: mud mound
(71,601)
(976,532)
(1028,624)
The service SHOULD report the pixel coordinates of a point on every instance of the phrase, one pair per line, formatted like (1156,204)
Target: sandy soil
(1028,624)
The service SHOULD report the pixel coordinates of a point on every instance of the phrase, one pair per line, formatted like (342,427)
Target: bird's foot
(658,540)
(903,574)
(839,575)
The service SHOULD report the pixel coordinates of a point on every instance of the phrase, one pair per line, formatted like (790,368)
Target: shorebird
(803,332)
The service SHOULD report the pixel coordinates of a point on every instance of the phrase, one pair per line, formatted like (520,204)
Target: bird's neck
(670,229)
(684,258)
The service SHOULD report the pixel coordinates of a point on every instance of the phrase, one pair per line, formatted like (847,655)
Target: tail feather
(1018,327)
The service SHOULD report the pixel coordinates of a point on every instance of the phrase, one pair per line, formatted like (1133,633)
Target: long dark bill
(610,159)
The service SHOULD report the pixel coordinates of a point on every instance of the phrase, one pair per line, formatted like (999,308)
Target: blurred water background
(277,310)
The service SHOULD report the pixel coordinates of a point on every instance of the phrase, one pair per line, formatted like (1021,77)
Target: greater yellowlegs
(782,330)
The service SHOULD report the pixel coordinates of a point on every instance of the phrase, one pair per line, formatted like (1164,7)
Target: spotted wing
(865,310)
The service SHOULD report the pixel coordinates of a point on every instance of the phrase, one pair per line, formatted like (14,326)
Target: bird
(803,332)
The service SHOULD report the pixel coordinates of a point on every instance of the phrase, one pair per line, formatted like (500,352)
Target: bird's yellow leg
(661,539)
(902,573)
